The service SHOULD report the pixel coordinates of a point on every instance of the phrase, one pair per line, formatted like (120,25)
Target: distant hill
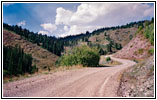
(57,45)
(42,58)
(114,37)
(110,40)
(122,36)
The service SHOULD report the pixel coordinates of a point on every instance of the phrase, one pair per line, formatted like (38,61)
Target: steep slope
(137,48)
(140,45)
(138,81)
(122,36)
(41,57)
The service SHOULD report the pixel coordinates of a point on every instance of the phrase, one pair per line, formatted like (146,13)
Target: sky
(62,19)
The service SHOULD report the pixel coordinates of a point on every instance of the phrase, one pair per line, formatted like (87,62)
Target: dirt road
(85,82)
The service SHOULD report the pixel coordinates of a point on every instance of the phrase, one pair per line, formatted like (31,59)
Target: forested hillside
(56,45)
(106,41)
(42,58)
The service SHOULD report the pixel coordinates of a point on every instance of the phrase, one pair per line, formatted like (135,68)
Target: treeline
(50,43)
(85,36)
(56,45)
(147,29)
(15,61)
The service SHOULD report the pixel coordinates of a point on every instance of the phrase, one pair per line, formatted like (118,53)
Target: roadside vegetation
(82,55)
(108,59)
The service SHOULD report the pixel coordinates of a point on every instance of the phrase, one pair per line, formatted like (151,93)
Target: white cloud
(66,28)
(43,32)
(89,16)
(49,27)
(63,16)
(77,29)
(22,23)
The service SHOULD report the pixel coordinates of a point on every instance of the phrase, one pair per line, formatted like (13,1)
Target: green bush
(80,56)
(34,69)
(108,58)
(151,51)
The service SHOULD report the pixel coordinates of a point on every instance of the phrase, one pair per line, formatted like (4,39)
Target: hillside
(122,36)
(57,45)
(139,47)
(138,81)
(41,57)
(110,41)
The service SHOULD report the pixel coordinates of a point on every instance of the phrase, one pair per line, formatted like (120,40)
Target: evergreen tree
(15,61)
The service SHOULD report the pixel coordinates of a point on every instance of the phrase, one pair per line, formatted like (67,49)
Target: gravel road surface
(85,82)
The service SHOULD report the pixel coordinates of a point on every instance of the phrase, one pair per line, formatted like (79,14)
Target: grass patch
(140,51)
(46,72)
(131,46)
(151,51)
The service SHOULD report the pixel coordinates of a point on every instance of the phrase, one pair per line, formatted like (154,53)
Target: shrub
(34,69)
(140,51)
(108,58)
(151,51)
(149,33)
(80,55)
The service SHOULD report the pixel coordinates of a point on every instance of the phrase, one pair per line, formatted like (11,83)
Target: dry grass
(42,58)
(54,70)
(119,36)
(112,63)
(135,49)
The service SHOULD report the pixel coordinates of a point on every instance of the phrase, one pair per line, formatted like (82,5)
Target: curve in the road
(86,82)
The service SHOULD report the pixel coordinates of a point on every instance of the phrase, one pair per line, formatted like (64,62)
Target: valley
(96,81)
(86,56)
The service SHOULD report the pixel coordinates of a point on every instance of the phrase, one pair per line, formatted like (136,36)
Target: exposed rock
(138,81)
